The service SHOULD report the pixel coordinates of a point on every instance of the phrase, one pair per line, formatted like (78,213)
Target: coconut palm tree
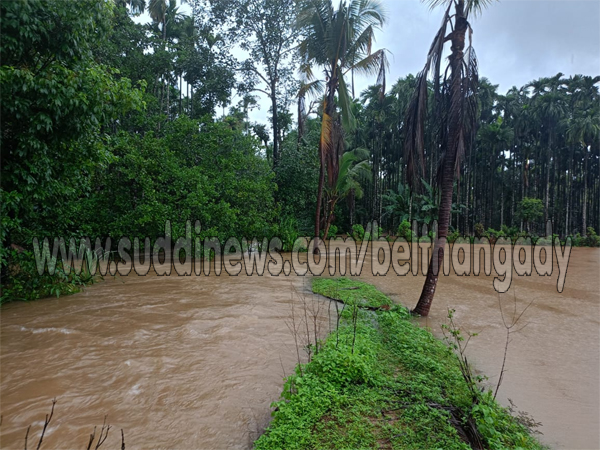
(456,113)
(338,40)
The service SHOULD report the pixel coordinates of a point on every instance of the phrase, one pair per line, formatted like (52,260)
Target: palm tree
(135,6)
(456,113)
(353,167)
(158,13)
(338,40)
(583,130)
(550,107)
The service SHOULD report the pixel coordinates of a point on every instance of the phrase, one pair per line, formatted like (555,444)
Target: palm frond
(416,111)
(348,119)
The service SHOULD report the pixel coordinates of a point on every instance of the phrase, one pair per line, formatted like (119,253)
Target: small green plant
(453,236)
(333,231)
(479,230)
(358,232)
(404,229)
(287,231)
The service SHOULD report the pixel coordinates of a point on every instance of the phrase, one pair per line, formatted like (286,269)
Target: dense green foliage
(97,139)
(385,382)
(110,127)
(199,171)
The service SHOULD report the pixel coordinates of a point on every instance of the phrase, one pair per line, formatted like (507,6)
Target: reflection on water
(194,362)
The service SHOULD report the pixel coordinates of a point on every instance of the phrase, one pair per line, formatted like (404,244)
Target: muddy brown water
(194,362)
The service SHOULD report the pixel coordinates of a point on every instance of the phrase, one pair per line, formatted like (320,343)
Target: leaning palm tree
(455,112)
(338,40)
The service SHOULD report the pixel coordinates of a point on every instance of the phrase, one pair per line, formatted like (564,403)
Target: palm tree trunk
(585,192)
(568,191)
(547,194)
(456,59)
(328,110)
(352,207)
(168,110)
(320,189)
(275,124)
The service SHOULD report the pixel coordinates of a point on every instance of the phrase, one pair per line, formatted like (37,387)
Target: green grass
(351,292)
(396,387)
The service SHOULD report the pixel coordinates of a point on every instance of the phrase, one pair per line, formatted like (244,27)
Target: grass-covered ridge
(383,382)
(351,292)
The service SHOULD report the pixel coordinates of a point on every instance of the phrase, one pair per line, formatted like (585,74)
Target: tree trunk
(329,219)
(568,191)
(585,192)
(275,124)
(168,110)
(455,123)
(328,109)
(352,207)
(547,194)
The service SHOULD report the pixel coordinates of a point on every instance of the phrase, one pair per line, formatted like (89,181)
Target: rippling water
(194,362)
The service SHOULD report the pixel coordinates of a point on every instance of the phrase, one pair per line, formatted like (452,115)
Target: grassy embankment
(380,381)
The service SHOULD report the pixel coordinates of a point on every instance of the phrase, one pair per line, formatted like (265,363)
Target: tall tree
(456,112)
(266,29)
(338,40)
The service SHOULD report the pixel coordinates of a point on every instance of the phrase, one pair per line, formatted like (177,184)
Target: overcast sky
(516,41)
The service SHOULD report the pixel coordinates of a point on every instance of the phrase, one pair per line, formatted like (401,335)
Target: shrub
(358,232)
(453,236)
(479,230)
(287,231)
(26,284)
(404,230)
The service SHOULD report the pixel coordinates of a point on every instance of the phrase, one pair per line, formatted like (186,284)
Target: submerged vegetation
(381,381)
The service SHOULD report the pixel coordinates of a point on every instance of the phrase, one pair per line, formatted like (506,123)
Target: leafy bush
(358,232)
(287,231)
(453,236)
(404,229)
(333,231)
(25,283)
(543,241)
(479,230)
(591,240)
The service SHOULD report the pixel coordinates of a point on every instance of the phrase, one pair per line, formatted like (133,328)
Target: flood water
(194,362)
